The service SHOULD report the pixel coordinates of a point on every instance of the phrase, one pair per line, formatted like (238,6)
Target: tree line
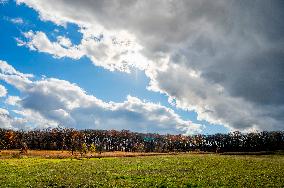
(111,140)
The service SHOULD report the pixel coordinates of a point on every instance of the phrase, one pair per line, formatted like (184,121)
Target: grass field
(184,170)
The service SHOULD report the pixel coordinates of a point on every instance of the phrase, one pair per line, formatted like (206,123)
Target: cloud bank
(223,59)
(50,102)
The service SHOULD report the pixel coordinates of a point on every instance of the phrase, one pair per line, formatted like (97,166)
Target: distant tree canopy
(102,140)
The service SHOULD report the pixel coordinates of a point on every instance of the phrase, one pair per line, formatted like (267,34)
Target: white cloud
(13,100)
(17,20)
(222,59)
(113,52)
(63,41)
(39,41)
(13,77)
(4,119)
(7,122)
(31,119)
(3,2)
(49,102)
(3,91)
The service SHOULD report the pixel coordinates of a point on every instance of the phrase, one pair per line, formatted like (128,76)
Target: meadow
(182,170)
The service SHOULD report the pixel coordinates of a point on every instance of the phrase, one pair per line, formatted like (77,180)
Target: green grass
(154,171)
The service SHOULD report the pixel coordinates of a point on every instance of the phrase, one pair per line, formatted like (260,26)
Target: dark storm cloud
(225,57)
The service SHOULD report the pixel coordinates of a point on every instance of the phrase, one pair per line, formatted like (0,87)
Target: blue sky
(32,57)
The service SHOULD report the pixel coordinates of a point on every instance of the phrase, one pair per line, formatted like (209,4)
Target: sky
(160,66)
